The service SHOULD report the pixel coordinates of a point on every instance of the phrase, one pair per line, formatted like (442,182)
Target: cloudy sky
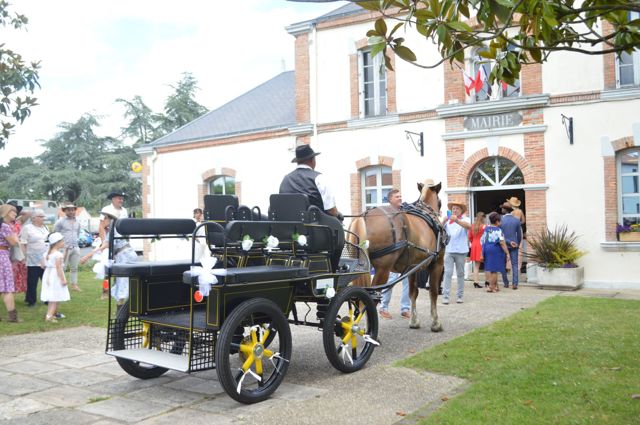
(95,52)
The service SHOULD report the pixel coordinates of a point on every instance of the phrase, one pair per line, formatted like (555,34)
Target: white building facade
(367,122)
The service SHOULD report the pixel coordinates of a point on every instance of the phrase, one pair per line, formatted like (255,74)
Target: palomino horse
(399,241)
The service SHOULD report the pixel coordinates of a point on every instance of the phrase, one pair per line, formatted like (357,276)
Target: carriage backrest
(236,230)
(215,206)
(288,207)
(155,226)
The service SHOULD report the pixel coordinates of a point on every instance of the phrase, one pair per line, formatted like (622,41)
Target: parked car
(85,238)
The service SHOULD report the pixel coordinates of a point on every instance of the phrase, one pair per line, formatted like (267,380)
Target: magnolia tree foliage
(18,79)
(514,32)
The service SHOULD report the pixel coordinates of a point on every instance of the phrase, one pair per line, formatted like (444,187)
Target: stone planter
(629,237)
(568,279)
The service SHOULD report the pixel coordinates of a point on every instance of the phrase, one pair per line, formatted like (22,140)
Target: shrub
(552,249)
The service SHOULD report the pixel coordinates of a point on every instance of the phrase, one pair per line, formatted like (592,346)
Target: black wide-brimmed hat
(304,153)
(116,193)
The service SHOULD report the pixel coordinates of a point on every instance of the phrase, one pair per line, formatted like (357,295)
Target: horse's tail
(357,235)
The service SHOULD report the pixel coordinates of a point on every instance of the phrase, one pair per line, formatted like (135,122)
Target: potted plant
(556,252)
(628,233)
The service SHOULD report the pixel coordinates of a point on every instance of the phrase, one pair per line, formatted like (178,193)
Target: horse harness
(419,209)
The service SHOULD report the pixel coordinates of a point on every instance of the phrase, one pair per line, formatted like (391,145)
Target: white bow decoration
(247,243)
(206,278)
(100,268)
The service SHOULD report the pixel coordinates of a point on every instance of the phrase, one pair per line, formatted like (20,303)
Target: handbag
(16,254)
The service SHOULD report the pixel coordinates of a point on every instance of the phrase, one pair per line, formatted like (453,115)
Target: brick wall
(303,100)
(608,61)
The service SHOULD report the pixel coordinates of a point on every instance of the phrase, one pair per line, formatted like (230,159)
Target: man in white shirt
(457,249)
(304,179)
(117,201)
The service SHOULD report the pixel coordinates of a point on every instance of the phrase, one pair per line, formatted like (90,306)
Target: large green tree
(143,124)
(514,32)
(18,79)
(82,167)
(181,107)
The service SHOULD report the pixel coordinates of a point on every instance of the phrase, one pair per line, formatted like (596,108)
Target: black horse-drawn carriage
(297,259)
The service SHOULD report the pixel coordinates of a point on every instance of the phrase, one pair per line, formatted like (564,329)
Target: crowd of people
(494,239)
(31,254)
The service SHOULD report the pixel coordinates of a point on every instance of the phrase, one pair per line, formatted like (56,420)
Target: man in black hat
(304,179)
(117,201)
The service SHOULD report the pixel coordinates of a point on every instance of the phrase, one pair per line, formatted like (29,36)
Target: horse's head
(429,193)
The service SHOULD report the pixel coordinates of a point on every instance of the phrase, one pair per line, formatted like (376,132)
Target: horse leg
(414,323)
(434,280)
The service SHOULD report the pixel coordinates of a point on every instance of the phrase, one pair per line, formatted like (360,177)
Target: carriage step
(154,357)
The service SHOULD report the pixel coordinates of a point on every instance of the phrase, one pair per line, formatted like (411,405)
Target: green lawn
(569,360)
(84,308)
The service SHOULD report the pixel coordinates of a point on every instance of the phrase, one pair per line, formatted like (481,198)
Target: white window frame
(379,76)
(621,196)
(635,62)
(379,187)
(224,186)
(495,180)
(474,63)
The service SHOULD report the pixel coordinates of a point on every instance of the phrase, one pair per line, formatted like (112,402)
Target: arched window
(628,182)
(496,171)
(222,185)
(376,183)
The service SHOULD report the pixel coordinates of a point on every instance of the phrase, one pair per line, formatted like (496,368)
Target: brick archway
(208,175)
(464,174)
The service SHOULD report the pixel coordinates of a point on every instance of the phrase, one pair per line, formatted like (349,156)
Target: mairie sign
(483,122)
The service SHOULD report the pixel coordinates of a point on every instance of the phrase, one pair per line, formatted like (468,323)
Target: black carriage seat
(289,207)
(218,208)
(151,268)
(320,238)
(155,226)
(215,207)
(254,274)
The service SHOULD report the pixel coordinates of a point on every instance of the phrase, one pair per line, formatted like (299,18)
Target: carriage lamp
(419,143)
(568,126)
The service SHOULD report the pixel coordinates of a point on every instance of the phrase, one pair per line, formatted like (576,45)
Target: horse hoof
(436,328)
(415,325)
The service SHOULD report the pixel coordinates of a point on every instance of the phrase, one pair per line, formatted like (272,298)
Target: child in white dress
(54,283)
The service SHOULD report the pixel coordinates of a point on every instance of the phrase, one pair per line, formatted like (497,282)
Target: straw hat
(462,206)
(111,211)
(515,202)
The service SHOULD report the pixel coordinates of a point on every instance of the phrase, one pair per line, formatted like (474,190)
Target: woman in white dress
(54,283)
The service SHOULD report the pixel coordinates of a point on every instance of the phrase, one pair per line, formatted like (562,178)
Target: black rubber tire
(256,311)
(332,329)
(133,368)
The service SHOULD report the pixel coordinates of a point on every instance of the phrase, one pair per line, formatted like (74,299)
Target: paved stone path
(65,377)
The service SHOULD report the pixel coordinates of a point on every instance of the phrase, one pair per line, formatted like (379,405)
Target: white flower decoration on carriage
(302,240)
(364,244)
(272,243)
(247,243)
(206,278)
